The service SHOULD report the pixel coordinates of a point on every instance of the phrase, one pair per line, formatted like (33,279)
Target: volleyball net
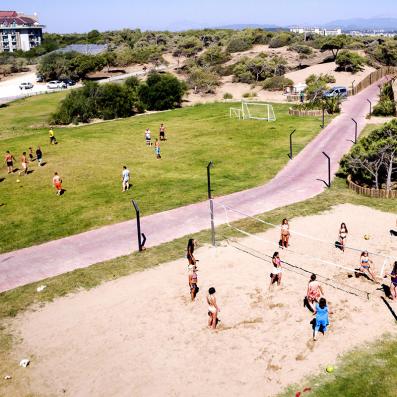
(309,253)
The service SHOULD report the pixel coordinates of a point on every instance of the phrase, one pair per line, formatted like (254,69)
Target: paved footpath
(299,180)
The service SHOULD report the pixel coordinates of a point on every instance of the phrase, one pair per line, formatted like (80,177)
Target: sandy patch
(141,336)
(379,120)
(342,78)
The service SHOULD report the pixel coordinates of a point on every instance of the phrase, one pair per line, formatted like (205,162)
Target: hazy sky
(84,15)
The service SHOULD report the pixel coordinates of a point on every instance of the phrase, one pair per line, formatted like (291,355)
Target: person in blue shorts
(321,314)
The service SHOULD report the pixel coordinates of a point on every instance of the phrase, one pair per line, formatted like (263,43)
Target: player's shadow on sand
(386,290)
(393,313)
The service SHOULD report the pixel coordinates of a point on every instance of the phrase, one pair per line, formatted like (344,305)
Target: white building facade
(319,31)
(19,31)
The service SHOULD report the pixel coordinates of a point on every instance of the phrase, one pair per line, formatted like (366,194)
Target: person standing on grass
(24,163)
(213,309)
(53,140)
(162,132)
(57,182)
(342,236)
(314,292)
(393,279)
(9,159)
(193,281)
(148,138)
(125,176)
(39,155)
(31,157)
(157,149)
(277,270)
(321,312)
(285,234)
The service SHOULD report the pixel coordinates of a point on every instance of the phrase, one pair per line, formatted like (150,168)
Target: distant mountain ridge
(364,24)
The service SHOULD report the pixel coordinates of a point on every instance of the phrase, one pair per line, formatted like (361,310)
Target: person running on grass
(277,270)
(314,292)
(9,159)
(193,281)
(365,266)
(39,155)
(191,244)
(285,234)
(213,309)
(148,138)
(125,176)
(393,283)
(321,312)
(162,132)
(57,182)
(53,140)
(157,149)
(24,163)
(342,236)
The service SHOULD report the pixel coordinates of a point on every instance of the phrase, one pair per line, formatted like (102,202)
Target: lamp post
(329,169)
(290,144)
(209,166)
(355,130)
(353,87)
(370,107)
(141,243)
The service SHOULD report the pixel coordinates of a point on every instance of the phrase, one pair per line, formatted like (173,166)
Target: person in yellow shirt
(53,140)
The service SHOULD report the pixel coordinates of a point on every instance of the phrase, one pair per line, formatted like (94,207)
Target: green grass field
(90,159)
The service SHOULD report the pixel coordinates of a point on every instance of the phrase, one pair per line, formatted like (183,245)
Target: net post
(382,271)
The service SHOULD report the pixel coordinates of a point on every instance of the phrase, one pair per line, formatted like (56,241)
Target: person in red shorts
(57,182)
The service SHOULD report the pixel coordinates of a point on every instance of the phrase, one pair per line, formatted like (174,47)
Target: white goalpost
(253,111)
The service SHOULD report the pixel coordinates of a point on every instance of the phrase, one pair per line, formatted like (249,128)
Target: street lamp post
(355,130)
(290,144)
(329,169)
(370,108)
(141,242)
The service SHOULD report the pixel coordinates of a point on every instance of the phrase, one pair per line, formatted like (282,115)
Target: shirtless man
(24,163)
(9,159)
(162,132)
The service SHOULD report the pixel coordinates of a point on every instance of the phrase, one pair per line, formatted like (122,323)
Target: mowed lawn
(90,159)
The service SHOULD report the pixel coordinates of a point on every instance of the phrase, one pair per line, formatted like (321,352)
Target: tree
(188,46)
(202,80)
(335,44)
(161,91)
(349,61)
(214,55)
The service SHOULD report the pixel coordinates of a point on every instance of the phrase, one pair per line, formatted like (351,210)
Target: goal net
(257,111)
(235,112)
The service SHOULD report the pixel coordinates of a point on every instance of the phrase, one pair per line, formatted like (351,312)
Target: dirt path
(299,180)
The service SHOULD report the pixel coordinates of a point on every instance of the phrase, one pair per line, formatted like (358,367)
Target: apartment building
(19,31)
(319,31)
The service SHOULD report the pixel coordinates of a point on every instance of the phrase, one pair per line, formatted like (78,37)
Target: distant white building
(19,31)
(319,31)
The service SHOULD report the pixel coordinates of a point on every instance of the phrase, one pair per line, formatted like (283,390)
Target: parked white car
(56,84)
(25,86)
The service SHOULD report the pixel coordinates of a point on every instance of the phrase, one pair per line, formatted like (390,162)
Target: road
(300,179)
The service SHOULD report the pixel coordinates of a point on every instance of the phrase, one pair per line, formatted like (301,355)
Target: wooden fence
(304,113)
(370,192)
(372,78)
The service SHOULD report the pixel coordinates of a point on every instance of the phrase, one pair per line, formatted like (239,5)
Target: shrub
(202,80)
(349,61)
(280,40)
(213,56)
(301,49)
(188,46)
(227,95)
(325,78)
(161,92)
(277,83)
(238,44)
(385,108)
(250,94)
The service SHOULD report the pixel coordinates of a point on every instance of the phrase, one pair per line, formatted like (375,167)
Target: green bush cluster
(280,40)
(387,104)
(277,83)
(109,101)
(349,61)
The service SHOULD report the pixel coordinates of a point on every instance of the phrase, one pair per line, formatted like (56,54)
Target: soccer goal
(235,112)
(257,111)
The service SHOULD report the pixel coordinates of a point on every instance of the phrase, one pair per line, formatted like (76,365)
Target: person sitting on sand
(322,320)
(213,308)
(393,283)
(275,275)
(365,266)
(314,292)
(342,236)
(193,281)
(191,244)
(285,234)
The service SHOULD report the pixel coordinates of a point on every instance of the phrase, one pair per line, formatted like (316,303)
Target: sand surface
(141,335)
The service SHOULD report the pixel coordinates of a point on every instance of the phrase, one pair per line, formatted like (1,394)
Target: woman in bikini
(191,244)
(342,236)
(365,266)
(277,270)
(285,234)
(193,281)
(393,284)
(213,308)
(314,292)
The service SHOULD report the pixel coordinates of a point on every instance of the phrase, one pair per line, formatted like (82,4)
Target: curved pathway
(299,180)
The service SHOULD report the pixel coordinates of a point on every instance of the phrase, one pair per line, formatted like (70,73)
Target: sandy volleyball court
(141,335)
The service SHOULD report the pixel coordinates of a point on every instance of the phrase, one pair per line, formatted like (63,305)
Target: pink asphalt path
(299,180)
